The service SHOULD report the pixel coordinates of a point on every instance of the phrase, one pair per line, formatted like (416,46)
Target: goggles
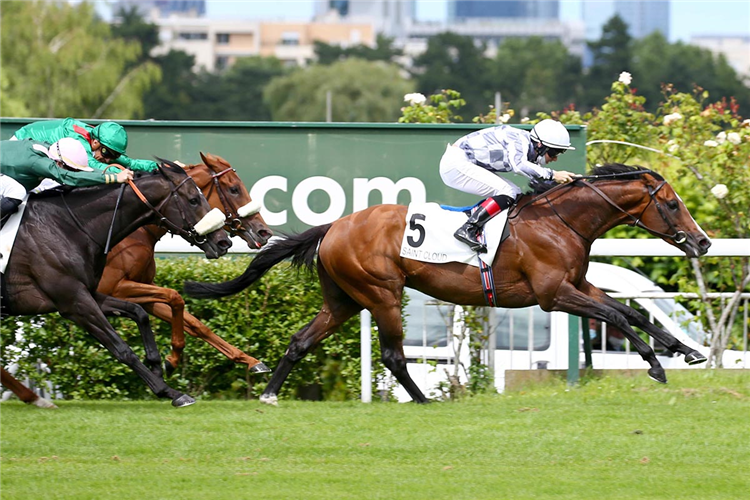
(108,153)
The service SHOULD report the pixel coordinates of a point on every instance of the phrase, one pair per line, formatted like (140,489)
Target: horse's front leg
(115,307)
(148,295)
(24,393)
(585,303)
(78,305)
(692,356)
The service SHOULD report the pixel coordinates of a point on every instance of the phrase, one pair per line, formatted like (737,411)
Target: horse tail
(299,247)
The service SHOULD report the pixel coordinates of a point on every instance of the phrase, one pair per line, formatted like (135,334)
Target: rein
(678,236)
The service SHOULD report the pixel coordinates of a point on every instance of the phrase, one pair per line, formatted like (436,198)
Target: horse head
(185,211)
(224,190)
(648,201)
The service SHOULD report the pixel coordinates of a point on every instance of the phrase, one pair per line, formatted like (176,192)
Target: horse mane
(609,171)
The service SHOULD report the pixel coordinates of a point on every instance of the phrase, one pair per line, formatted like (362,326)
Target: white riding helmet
(551,134)
(71,152)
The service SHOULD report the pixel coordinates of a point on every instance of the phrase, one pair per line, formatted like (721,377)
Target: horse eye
(194,202)
(234,190)
(672,204)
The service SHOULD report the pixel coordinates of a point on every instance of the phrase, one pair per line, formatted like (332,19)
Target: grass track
(612,438)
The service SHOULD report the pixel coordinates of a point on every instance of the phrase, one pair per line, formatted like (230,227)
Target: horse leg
(24,393)
(145,294)
(80,307)
(337,308)
(391,335)
(195,328)
(112,306)
(571,300)
(692,356)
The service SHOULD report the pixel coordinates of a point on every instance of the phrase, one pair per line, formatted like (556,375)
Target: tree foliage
(361,91)
(383,51)
(612,54)
(60,60)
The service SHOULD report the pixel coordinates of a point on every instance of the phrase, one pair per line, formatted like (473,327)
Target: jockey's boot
(470,231)
(8,206)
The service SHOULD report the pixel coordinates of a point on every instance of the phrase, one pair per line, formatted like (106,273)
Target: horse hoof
(694,358)
(44,403)
(183,400)
(269,399)
(260,368)
(657,374)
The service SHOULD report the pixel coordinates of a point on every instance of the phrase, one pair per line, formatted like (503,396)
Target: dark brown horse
(58,257)
(130,270)
(544,261)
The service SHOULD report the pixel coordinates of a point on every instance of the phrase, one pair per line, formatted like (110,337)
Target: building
(643,17)
(389,17)
(163,8)
(217,44)
(736,49)
(460,10)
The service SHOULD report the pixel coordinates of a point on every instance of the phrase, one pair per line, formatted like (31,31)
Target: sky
(688,17)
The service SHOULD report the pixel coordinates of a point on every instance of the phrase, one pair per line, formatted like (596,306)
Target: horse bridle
(191,235)
(233,220)
(678,237)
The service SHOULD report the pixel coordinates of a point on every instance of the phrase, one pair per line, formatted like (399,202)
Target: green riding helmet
(112,135)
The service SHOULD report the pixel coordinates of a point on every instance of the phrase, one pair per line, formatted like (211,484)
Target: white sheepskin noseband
(210,222)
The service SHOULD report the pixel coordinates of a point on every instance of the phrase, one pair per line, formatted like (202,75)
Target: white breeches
(11,188)
(458,172)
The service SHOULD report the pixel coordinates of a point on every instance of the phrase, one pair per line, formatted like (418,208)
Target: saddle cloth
(8,234)
(428,236)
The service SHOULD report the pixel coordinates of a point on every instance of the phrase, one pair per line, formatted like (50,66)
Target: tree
(383,51)
(656,62)
(612,54)
(536,74)
(60,60)
(361,91)
(132,27)
(453,61)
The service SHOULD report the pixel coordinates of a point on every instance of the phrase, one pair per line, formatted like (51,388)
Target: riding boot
(8,206)
(470,231)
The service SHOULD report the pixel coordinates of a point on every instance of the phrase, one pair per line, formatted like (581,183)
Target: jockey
(105,144)
(29,162)
(11,195)
(470,163)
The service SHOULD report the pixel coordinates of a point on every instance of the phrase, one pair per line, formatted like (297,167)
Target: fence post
(365,321)
(573,349)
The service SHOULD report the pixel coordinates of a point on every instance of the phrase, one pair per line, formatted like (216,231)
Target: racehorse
(130,270)
(58,257)
(543,261)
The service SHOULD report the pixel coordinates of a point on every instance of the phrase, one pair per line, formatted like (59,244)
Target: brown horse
(59,255)
(543,261)
(131,268)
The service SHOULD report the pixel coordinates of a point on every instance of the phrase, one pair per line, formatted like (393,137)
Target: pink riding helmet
(71,152)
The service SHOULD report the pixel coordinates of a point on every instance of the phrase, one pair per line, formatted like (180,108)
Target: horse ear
(170,166)
(203,157)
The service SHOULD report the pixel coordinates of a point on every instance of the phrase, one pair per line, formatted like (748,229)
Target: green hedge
(259,320)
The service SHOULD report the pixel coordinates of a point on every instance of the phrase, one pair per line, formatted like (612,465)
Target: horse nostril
(704,243)
(225,244)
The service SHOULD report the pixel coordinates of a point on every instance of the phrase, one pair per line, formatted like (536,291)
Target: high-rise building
(390,17)
(459,10)
(643,17)
(163,8)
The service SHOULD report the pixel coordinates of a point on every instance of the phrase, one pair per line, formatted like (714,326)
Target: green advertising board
(306,174)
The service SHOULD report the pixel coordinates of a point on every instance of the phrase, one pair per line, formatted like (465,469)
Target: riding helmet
(552,134)
(112,135)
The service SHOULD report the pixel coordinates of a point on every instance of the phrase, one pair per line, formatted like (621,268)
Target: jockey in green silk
(30,162)
(105,144)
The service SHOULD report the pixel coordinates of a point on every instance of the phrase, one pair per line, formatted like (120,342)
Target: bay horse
(543,261)
(131,268)
(58,257)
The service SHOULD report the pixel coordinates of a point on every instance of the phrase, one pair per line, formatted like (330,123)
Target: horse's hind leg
(337,308)
(391,335)
(24,393)
(195,328)
(115,307)
(584,303)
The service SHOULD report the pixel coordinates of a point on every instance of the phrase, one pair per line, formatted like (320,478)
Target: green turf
(615,438)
